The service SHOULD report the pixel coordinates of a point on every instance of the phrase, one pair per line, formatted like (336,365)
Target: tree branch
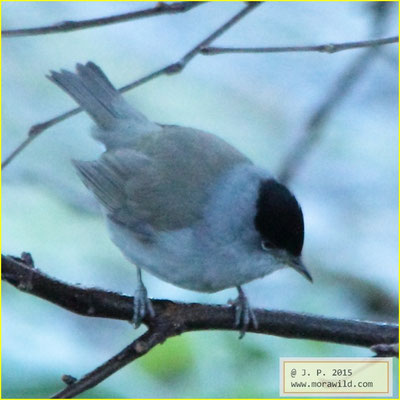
(176,67)
(138,348)
(68,26)
(323,48)
(342,86)
(386,350)
(174,318)
(93,302)
(312,132)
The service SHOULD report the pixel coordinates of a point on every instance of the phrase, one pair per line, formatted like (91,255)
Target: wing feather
(164,182)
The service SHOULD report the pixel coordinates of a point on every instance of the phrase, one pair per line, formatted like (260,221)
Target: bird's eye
(267,245)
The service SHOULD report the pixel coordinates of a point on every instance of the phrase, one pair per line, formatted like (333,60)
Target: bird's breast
(190,259)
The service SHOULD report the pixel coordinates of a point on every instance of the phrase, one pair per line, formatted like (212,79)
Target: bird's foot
(141,305)
(244,314)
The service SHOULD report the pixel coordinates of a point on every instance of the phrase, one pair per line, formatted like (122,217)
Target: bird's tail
(92,90)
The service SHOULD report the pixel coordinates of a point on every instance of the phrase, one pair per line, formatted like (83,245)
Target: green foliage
(170,360)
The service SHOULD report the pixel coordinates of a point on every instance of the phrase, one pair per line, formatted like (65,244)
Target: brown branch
(323,48)
(176,67)
(174,318)
(386,350)
(68,26)
(93,302)
(138,348)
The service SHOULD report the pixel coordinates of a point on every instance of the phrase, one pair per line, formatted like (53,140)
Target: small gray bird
(181,203)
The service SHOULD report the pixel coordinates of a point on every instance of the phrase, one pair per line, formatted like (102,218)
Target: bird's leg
(244,315)
(141,304)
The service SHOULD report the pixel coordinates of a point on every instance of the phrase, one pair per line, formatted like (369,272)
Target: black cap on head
(279,217)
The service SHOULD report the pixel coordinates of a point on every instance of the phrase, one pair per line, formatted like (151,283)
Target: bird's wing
(164,182)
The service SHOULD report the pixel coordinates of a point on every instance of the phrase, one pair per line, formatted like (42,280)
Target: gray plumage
(117,122)
(182,203)
(163,178)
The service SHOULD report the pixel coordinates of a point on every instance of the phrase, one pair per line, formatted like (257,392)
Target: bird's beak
(297,264)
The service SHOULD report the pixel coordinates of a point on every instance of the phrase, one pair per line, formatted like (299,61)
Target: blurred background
(347,184)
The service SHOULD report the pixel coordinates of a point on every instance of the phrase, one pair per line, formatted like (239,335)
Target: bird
(181,203)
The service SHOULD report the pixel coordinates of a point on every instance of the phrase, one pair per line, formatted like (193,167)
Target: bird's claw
(141,305)
(244,314)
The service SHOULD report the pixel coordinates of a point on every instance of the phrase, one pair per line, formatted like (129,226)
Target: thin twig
(342,86)
(323,48)
(176,67)
(68,26)
(138,348)
(313,127)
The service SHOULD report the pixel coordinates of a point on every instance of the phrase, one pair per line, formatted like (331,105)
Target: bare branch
(176,67)
(68,26)
(93,302)
(174,318)
(342,86)
(323,48)
(313,128)
(386,350)
(138,348)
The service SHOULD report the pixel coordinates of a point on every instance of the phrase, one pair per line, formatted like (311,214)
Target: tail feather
(92,90)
